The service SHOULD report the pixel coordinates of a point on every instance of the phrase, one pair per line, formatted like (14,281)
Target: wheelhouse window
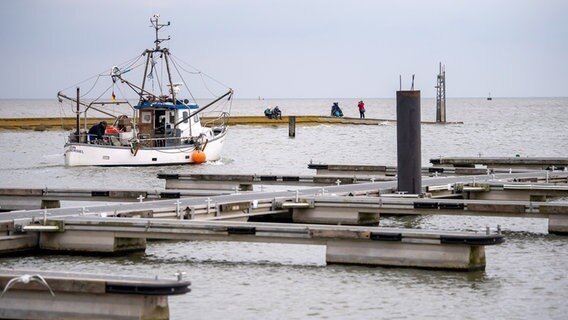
(146,116)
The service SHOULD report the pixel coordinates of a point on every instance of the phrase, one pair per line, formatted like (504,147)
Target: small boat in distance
(489,97)
(159,127)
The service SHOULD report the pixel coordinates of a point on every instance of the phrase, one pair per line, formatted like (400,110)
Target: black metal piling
(291,126)
(408,141)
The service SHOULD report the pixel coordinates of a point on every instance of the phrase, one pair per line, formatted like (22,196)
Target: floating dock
(92,229)
(532,163)
(344,244)
(12,199)
(35,294)
(391,171)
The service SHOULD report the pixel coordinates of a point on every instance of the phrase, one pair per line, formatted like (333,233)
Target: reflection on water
(402,221)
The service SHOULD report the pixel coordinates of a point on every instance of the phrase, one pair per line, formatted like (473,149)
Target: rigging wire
(131,64)
(205,84)
(156,79)
(92,87)
(154,76)
(124,96)
(174,63)
(161,78)
(198,71)
(102,74)
(151,73)
(104,92)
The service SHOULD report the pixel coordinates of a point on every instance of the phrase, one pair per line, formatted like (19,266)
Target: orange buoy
(198,156)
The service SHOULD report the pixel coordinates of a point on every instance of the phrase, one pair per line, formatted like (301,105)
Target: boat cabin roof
(165,105)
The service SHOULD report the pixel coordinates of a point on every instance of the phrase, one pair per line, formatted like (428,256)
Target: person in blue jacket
(98,131)
(277,113)
(336,110)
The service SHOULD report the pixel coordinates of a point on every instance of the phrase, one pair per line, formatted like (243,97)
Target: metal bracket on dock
(36,226)
(445,187)
(40,228)
(236,206)
(304,204)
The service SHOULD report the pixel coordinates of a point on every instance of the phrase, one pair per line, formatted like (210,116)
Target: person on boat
(268,113)
(122,122)
(97,131)
(336,110)
(361,106)
(277,113)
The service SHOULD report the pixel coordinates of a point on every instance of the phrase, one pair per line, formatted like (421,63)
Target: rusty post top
(408,93)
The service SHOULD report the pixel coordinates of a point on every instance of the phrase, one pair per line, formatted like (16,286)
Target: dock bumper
(149,289)
(474,240)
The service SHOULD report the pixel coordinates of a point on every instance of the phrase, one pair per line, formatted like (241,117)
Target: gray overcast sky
(297,48)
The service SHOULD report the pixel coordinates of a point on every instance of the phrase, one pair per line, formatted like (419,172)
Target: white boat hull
(81,154)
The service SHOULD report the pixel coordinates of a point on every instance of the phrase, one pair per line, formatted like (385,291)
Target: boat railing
(142,140)
(158,142)
(217,121)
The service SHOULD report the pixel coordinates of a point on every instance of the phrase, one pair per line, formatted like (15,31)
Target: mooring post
(291,126)
(408,141)
(78,131)
(441,95)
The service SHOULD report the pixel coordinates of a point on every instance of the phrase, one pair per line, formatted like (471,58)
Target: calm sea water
(525,277)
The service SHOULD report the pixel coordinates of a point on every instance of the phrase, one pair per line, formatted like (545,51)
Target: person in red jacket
(361,106)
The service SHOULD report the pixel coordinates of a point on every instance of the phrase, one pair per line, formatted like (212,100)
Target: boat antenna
(157,26)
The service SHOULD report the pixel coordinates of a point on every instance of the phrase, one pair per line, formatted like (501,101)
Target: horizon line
(334,98)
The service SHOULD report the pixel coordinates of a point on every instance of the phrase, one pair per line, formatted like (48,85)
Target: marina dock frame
(93,233)
(94,230)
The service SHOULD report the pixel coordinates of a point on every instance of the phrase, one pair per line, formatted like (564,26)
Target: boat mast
(141,94)
(150,52)
(172,91)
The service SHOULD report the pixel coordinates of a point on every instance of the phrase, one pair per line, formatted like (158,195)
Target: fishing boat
(149,123)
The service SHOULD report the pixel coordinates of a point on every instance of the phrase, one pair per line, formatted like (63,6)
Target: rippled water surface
(525,277)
